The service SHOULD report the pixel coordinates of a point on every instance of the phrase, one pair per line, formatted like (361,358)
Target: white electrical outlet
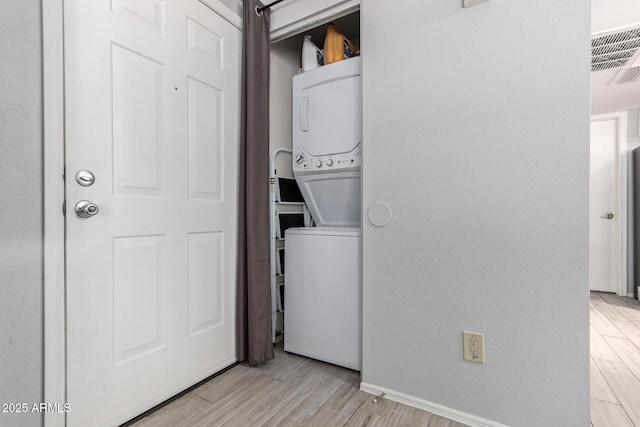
(473,346)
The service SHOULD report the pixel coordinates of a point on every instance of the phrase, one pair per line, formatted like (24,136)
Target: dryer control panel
(327,118)
(303,161)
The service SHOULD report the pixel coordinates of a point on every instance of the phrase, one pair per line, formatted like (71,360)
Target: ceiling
(608,16)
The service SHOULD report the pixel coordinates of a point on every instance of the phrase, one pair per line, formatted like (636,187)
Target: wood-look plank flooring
(615,360)
(290,390)
(293,390)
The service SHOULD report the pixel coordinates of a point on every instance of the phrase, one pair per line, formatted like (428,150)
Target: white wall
(21,335)
(633,128)
(476,132)
(234,5)
(285,63)
(608,15)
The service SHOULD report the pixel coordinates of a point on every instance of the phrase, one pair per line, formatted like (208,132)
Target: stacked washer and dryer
(323,319)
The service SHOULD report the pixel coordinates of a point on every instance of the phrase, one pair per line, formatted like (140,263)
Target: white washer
(323,294)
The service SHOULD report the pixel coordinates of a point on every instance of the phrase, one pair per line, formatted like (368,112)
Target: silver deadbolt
(86,209)
(607,216)
(85,178)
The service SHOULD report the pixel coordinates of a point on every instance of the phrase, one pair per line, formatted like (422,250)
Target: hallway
(615,360)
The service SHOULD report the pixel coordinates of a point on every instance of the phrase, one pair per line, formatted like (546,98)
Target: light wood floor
(289,391)
(295,391)
(615,360)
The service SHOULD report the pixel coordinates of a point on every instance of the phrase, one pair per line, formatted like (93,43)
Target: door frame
(54,226)
(621,197)
(54,302)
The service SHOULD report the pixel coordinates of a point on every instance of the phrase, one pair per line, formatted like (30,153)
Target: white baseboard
(434,408)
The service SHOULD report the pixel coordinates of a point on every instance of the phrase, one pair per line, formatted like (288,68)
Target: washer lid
(332,198)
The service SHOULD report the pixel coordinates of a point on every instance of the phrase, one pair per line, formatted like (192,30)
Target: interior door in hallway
(152,92)
(603,212)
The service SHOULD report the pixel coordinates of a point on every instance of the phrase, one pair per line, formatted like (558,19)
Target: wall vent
(614,50)
(630,75)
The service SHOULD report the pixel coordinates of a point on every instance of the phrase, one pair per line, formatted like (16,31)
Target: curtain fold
(253,294)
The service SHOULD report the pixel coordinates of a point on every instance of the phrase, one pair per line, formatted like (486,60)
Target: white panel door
(603,214)
(152,90)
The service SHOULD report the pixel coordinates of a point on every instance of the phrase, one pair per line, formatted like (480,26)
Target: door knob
(607,216)
(86,209)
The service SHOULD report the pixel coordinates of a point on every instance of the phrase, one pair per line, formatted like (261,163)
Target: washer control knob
(318,163)
(299,158)
(330,162)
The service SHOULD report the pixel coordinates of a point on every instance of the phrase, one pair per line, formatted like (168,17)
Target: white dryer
(327,142)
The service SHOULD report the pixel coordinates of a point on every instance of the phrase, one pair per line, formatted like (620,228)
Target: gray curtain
(253,306)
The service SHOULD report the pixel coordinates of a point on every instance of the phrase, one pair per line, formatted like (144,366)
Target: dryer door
(330,117)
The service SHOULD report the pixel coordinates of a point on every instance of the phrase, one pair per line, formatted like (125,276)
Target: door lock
(85,178)
(607,216)
(86,209)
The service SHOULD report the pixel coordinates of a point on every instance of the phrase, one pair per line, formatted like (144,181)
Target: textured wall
(476,132)
(285,63)
(21,208)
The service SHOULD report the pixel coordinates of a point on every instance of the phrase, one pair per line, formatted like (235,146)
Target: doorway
(608,204)
(151,106)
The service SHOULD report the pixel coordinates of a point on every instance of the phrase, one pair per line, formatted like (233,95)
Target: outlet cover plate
(473,346)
